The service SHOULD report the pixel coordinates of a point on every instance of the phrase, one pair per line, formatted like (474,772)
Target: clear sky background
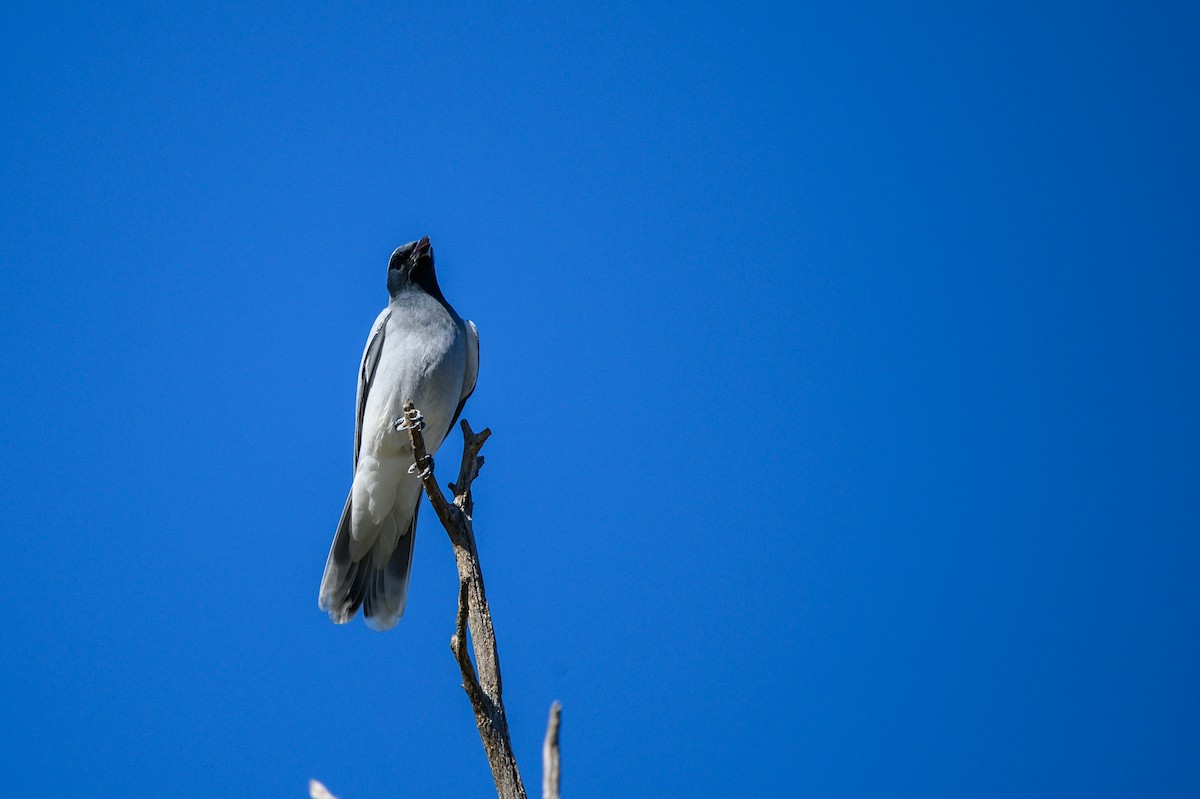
(842,363)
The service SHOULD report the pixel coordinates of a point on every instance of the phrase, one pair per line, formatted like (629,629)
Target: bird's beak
(422,248)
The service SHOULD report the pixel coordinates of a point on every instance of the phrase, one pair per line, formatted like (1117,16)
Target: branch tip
(551,768)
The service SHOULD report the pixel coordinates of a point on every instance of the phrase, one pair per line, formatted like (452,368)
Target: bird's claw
(428,470)
(403,423)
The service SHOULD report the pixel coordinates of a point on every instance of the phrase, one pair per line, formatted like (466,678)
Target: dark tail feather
(344,585)
(387,589)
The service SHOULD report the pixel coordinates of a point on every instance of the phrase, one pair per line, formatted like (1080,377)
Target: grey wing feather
(366,374)
(472,371)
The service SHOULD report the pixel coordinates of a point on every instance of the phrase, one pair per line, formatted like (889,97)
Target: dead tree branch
(481,679)
(550,766)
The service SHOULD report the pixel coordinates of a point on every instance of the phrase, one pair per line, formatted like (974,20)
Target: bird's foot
(425,471)
(405,423)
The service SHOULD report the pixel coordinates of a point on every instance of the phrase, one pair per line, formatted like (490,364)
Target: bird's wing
(471,373)
(366,374)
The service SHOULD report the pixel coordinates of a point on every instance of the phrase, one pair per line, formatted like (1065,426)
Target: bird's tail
(378,585)
(387,587)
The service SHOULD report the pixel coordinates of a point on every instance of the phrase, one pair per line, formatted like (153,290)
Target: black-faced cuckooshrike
(419,349)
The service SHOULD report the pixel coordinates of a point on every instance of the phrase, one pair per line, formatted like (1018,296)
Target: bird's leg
(413,420)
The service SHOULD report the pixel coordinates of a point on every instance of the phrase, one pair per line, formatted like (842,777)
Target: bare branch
(550,758)
(458,645)
(472,462)
(481,681)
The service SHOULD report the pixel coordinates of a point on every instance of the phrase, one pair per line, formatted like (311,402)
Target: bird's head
(412,265)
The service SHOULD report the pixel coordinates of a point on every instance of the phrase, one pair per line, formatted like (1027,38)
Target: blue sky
(841,362)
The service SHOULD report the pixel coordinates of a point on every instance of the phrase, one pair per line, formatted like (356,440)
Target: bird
(420,349)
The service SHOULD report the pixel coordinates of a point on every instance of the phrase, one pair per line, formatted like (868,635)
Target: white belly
(427,365)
